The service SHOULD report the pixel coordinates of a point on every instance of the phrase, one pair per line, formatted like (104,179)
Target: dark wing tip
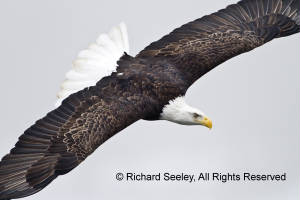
(25,174)
(37,158)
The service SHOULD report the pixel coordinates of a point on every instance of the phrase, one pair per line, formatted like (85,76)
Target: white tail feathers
(95,62)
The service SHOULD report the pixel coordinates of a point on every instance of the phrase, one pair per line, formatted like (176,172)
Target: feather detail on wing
(197,47)
(95,62)
(66,136)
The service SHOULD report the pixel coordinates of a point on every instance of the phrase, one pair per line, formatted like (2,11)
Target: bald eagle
(107,89)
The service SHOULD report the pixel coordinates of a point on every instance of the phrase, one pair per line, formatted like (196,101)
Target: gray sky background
(252,99)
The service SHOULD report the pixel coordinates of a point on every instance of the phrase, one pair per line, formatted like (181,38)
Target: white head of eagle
(178,111)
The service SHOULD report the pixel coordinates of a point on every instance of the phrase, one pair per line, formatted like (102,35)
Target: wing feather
(61,140)
(199,46)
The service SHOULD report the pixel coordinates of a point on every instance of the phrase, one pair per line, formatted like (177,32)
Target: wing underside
(199,46)
(57,143)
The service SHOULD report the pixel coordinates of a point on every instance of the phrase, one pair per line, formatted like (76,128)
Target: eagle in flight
(107,90)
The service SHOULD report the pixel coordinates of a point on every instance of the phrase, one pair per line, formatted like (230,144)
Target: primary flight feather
(102,96)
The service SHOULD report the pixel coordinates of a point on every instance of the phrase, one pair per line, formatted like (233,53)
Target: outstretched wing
(58,142)
(95,62)
(199,46)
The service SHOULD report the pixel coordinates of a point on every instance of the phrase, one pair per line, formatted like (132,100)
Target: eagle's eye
(196,115)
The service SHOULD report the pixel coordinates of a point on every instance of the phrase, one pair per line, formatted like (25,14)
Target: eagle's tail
(270,18)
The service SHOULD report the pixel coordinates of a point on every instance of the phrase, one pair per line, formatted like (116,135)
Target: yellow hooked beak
(205,122)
